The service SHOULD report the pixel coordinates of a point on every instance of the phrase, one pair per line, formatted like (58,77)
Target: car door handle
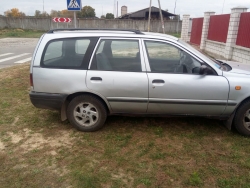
(158,81)
(96,78)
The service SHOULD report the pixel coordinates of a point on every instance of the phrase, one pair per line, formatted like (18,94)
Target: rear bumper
(47,100)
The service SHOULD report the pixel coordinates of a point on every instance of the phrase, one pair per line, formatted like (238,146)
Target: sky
(195,8)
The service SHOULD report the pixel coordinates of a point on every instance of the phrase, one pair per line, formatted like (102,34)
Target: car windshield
(216,63)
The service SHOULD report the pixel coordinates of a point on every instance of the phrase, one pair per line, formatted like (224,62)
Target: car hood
(240,68)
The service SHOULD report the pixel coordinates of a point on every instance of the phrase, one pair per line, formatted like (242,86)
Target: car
(89,74)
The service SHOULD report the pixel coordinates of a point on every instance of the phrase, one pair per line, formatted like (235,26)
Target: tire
(87,113)
(242,118)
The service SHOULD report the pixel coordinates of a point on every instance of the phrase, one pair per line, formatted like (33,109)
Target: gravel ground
(17,42)
(16,46)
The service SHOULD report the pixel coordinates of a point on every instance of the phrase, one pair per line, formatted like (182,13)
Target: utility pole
(223,6)
(117,10)
(114,11)
(178,24)
(43,6)
(162,22)
(175,6)
(178,17)
(149,15)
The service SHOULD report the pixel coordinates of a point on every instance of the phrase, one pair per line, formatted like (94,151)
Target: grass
(20,33)
(38,150)
(178,35)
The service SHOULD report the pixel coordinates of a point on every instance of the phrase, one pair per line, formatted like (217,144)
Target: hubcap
(246,119)
(86,114)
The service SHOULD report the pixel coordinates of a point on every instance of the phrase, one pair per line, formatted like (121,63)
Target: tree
(110,16)
(86,12)
(67,14)
(37,13)
(55,13)
(103,16)
(14,12)
(21,14)
(44,14)
(40,14)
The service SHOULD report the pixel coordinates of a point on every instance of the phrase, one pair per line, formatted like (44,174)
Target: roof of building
(142,13)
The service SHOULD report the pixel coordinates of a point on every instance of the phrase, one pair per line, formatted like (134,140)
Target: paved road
(15,51)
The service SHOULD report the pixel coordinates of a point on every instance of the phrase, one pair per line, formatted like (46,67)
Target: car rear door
(175,87)
(117,72)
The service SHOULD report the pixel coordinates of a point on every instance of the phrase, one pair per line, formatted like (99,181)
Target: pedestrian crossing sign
(74,5)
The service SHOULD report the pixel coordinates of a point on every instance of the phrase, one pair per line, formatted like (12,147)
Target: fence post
(233,30)
(185,27)
(205,29)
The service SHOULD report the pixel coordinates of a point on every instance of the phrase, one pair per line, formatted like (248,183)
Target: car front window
(215,63)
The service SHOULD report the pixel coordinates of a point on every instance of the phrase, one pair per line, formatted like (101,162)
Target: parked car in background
(90,74)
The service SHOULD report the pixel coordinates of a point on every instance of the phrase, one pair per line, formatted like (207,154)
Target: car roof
(111,32)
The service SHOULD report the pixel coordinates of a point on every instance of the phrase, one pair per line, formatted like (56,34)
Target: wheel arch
(73,95)
(229,123)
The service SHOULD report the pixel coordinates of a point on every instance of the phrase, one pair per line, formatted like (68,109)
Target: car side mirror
(204,70)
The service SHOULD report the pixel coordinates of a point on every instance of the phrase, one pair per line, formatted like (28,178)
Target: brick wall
(214,47)
(241,54)
(228,49)
(185,28)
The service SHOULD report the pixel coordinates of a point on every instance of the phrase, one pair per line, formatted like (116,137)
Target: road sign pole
(75,18)
(74,5)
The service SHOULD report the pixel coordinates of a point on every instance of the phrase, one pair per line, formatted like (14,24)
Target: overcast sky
(195,8)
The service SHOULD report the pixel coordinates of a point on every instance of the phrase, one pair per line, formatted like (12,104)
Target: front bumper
(47,100)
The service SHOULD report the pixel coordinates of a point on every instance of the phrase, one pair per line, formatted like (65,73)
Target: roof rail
(80,29)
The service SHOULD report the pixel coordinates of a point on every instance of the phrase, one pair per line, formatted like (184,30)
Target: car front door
(176,88)
(117,72)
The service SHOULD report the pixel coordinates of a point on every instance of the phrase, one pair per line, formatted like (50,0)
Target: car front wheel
(242,119)
(87,113)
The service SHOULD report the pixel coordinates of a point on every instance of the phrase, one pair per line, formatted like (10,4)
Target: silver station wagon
(90,74)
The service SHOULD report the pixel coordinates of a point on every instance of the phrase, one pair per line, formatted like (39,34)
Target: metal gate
(196,31)
(243,38)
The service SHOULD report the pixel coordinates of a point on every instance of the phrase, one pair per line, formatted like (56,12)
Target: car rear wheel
(87,113)
(242,119)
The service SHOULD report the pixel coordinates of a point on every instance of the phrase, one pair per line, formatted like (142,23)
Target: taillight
(31,80)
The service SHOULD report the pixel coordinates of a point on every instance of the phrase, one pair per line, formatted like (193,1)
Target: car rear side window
(117,55)
(82,46)
(54,50)
(68,53)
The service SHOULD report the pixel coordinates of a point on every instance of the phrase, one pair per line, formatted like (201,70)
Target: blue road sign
(74,5)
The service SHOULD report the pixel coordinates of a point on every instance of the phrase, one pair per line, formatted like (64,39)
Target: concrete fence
(227,48)
(171,26)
